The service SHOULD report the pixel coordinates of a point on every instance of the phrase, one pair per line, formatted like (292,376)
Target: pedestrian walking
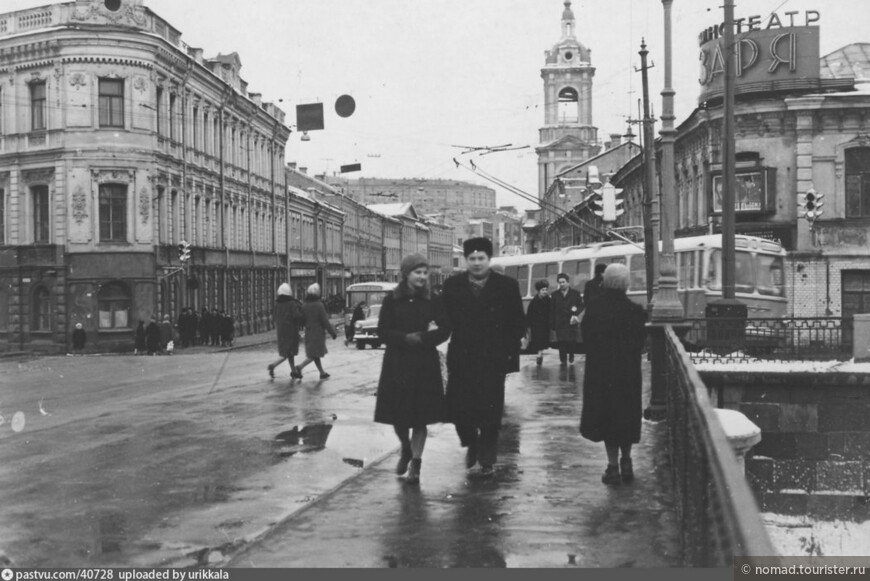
(317,325)
(594,288)
(359,314)
(204,327)
(78,339)
(228,329)
(485,310)
(412,323)
(538,320)
(287,315)
(566,307)
(152,337)
(612,385)
(167,336)
(140,345)
(215,327)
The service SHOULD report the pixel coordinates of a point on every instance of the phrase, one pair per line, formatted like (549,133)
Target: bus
(370,293)
(759,271)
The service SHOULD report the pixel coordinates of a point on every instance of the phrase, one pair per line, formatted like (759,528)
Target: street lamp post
(666,308)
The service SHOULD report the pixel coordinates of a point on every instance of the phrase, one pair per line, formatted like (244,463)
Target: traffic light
(810,205)
(610,203)
(184,251)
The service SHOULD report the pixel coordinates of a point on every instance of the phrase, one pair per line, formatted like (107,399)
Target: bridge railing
(717,512)
(726,340)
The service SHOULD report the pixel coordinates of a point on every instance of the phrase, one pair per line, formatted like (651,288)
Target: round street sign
(345,106)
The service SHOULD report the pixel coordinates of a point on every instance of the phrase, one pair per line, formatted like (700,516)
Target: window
(196,128)
(41,309)
(113,213)
(41,217)
(637,273)
(111,103)
(37,106)
(159,111)
(770,275)
(858,182)
(744,272)
(579,271)
(569,105)
(172,116)
(686,269)
(114,304)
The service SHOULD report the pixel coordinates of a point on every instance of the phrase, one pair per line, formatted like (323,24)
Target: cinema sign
(771,58)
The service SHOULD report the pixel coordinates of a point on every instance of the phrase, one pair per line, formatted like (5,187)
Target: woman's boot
(413,476)
(404,459)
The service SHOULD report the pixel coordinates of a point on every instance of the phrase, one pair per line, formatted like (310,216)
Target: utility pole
(732,331)
(649,198)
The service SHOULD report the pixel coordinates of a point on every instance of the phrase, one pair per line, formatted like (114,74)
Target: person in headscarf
(614,330)
(78,339)
(317,325)
(412,323)
(538,320)
(287,315)
(485,310)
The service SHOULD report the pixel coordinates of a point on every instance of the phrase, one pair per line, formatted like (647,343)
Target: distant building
(413,233)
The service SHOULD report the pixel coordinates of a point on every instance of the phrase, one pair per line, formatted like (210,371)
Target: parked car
(366,331)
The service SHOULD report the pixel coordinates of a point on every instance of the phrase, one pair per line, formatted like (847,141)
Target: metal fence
(786,339)
(717,513)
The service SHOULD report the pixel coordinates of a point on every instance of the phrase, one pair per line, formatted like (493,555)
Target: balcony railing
(787,339)
(717,513)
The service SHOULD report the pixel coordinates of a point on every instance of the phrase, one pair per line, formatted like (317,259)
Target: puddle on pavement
(311,438)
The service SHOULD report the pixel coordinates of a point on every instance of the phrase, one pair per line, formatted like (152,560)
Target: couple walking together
(482,311)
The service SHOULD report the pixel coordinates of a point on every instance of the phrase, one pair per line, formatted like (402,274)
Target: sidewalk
(546,506)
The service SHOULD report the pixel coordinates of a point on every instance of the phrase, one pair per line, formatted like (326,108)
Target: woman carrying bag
(412,324)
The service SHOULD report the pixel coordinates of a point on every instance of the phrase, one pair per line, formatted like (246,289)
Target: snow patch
(802,535)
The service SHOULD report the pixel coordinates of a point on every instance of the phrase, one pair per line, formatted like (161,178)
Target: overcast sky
(429,74)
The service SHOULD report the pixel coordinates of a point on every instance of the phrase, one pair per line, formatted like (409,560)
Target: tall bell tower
(568,136)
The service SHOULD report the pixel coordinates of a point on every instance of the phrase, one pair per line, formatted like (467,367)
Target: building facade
(118,142)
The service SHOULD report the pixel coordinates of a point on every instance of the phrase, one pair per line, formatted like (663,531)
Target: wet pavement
(546,506)
(200,459)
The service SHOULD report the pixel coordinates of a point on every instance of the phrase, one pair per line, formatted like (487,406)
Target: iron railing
(727,340)
(717,513)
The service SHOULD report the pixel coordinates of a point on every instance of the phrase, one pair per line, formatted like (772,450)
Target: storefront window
(114,305)
(858,182)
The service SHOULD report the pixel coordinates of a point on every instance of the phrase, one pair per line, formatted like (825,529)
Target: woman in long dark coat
(566,306)
(538,320)
(287,315)
(411,325)
(317,325)
(141,345)
(613,329)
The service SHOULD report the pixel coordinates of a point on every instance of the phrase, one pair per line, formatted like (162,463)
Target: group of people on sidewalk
(216,328)
(481,311)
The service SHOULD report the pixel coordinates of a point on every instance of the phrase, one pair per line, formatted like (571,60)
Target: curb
(230,552)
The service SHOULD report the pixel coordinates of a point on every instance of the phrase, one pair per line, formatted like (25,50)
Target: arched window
(569,105)
(41,309)
(858,182)
(114,304)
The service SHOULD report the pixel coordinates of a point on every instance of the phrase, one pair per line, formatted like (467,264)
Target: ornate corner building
(117,141)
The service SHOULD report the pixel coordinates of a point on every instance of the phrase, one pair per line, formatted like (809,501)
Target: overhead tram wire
(573,220)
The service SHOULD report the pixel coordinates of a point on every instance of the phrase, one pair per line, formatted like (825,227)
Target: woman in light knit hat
(317,325)
(412,324)
(287,315)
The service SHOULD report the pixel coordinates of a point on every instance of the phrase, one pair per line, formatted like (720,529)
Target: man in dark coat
(594,288)
(141,345)
(566,306)
(358,315)
(204,327)
(485,310)
(613,327)
(152,337)
(228,329)
(215,327)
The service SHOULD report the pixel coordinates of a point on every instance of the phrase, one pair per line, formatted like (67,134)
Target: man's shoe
(611,476)
(413,476)
(324,375)
(487,471)
(404,460)
(626,470)
(539,360)
(271,371)
(471,457)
